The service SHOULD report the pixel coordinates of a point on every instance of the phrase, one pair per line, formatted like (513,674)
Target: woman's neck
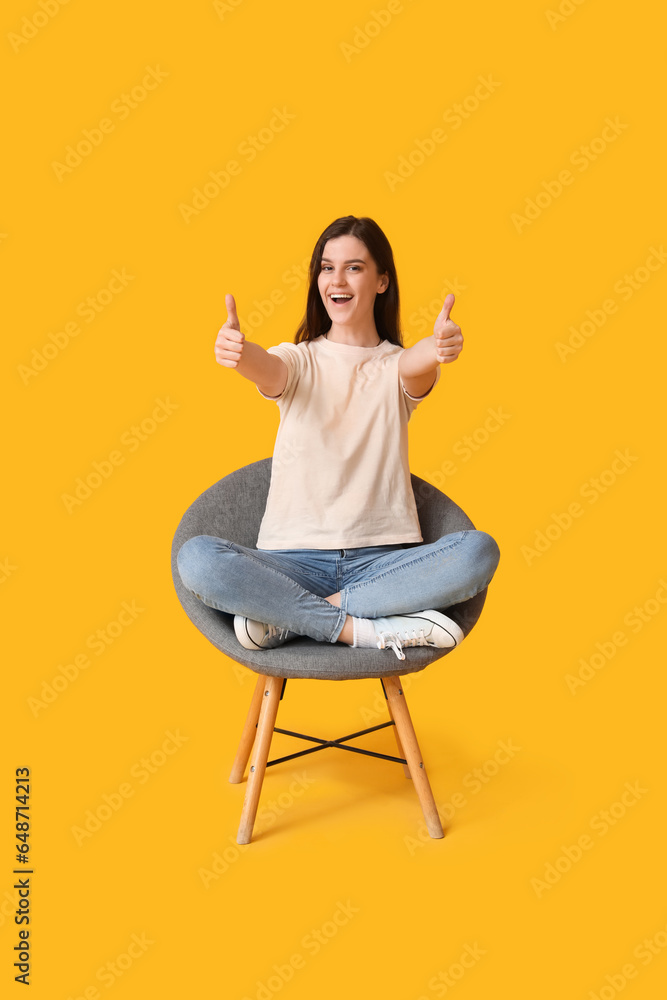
(339,335)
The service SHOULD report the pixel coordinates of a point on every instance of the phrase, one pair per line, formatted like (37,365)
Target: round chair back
(232,509)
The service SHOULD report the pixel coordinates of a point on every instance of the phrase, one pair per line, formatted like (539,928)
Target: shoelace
(274,630)
(396,640)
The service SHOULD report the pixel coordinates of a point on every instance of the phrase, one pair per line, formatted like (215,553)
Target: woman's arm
(232,350)
(418,364)
(267,371)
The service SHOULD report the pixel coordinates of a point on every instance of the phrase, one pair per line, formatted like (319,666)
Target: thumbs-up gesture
(229,342)
(447,335)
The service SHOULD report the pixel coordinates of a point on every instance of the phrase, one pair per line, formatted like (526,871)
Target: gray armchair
(232,508)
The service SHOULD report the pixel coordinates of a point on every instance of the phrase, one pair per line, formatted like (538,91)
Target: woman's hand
(230,340)
(447,335)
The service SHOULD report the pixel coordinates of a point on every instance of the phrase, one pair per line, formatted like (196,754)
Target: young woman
(340,555)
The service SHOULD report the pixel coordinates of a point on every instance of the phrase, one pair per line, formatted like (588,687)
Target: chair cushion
(232,508)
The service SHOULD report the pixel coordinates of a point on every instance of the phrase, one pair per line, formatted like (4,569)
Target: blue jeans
(288,587)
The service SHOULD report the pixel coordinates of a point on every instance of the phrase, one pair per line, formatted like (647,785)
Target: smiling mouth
(341,299)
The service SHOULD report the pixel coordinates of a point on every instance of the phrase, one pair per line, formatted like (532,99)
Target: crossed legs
(293,589)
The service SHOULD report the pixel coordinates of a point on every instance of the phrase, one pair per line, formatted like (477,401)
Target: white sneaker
(418,628)
(257,635)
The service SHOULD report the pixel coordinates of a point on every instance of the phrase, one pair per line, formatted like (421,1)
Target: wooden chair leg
(406,769)
(248,734)
(271,689)
(412,753)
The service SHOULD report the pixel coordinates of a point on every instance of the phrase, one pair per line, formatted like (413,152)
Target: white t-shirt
(340,474)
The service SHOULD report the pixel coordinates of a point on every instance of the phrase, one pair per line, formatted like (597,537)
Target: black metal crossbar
(323,744)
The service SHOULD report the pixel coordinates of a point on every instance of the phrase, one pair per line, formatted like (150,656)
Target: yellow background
(354,834)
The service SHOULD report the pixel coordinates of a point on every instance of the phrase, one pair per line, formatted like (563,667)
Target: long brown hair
(386,309)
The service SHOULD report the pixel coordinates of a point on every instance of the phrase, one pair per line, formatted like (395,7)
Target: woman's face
(349,271)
